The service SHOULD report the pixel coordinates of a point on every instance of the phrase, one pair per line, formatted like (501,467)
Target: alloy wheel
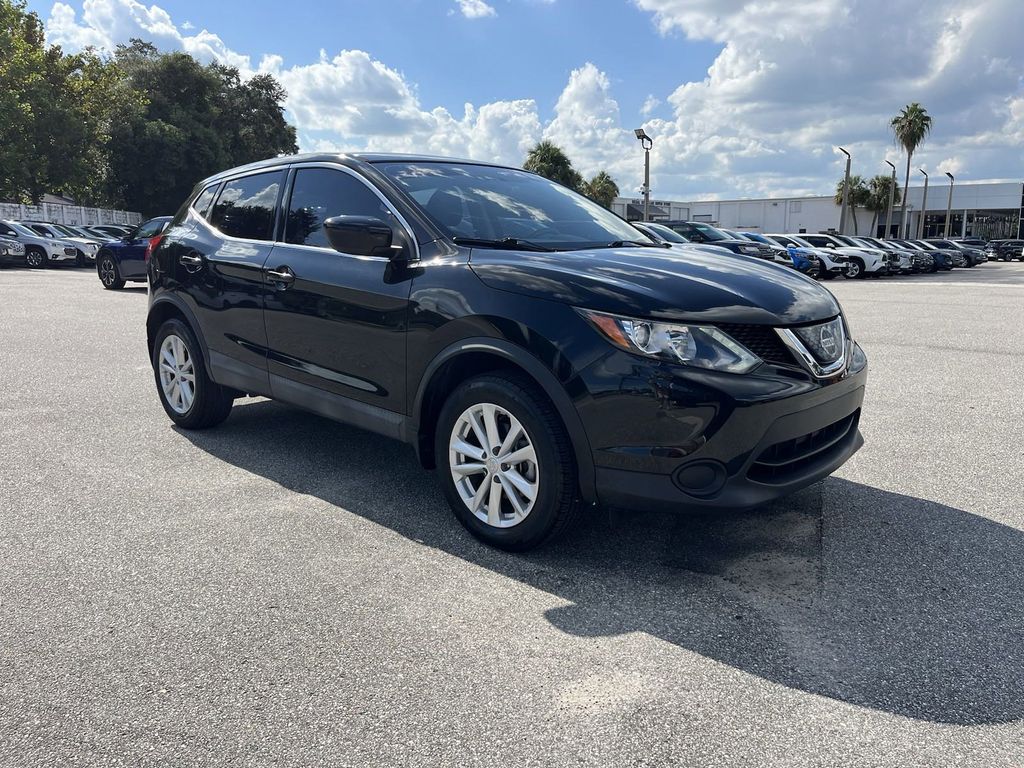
(177,374)
(34,258)
(493,465)
(108,273)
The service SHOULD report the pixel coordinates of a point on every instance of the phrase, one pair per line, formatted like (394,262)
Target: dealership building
(988,209)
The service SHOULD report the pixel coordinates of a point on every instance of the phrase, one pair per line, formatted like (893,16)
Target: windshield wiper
(504,243)
(633,244)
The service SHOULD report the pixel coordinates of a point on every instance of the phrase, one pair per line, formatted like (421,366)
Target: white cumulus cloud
(790,81)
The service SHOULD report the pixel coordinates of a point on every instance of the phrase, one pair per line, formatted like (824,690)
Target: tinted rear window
(245,207)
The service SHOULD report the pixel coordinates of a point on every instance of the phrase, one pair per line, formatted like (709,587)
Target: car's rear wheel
(505,462)
(189,396)
(109,274)
(855,271)
(35,257)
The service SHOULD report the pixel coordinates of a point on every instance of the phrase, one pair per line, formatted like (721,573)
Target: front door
(336,322)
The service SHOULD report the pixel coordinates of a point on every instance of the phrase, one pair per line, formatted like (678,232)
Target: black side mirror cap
(361,236)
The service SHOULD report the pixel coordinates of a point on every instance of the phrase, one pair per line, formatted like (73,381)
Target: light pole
(924,207)
(846,193)
(892,197)
(646,142)
(949,204)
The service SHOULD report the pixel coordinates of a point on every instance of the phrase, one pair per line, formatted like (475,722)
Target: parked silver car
(39,250)
(11,251)
(87,246)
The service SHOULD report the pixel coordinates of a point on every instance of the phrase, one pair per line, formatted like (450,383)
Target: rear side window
(202,203)
(245,207)
(319,194)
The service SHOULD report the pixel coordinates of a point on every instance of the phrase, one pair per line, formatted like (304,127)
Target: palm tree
(548,160)
(878,198)
(602,189)
(859,194)
(909,128)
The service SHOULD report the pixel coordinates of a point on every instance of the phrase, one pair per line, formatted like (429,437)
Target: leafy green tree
(551,162)
(909,128)
(56,110)
(859,195)
(878,198)
(602,189)
(196,120)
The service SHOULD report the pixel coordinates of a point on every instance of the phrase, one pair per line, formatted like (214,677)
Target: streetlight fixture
(949,204)
(924,207)
(892,198)
(846,193)
(646,142)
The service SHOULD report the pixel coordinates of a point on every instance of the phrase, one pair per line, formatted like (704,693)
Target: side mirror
(832,245)
(361,236)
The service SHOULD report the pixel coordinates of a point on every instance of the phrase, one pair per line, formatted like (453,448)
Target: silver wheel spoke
(469,469)
(469,450)
(494,504)
(520,483)
(479,430)
(526,453)
(514,431)
(478,498)
(491,425)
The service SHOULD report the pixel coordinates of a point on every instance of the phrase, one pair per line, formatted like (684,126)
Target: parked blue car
(125,260)
(804,261)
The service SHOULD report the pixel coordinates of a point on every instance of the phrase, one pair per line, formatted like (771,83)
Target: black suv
(701,233)
(1005,250)
(536,349)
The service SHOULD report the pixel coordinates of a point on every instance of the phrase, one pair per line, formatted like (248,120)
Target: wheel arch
(472,357)
(165,308)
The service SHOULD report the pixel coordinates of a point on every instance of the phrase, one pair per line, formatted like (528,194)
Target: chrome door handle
(282,275)
(190,260)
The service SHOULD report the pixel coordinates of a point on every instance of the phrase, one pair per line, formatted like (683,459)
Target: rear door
(217,263)
(337,326)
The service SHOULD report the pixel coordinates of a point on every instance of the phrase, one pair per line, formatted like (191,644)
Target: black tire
(826,275)
(35,257)
(858,265)
(212,402)
(108,273)
(557,505)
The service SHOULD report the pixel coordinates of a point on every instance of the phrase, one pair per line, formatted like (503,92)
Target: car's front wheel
(35,257)
(110,276)
(189,396)
(505,462)
(856,269)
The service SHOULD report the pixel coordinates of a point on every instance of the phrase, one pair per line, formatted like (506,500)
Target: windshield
(65,230)
(666,233)
(487,204)
(758,238)
(710,233)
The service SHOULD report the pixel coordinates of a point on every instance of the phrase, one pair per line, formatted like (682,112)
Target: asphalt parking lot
(285,590)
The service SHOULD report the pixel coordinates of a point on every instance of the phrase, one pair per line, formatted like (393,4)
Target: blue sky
(744,97)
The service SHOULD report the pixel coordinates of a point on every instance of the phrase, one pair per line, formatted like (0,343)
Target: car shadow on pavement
(843,590)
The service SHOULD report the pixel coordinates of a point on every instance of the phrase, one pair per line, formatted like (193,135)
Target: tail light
(153,243)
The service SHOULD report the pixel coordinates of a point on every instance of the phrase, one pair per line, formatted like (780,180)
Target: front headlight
(701,346)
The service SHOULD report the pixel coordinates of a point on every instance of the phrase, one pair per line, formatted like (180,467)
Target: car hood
(656,283)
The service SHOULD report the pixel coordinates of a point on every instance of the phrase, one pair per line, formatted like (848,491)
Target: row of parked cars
(826,256)
(118,252)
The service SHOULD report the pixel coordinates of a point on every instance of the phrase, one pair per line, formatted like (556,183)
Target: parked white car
(87,247)
(832,263)
(863,261)
(39,250)
(661,233)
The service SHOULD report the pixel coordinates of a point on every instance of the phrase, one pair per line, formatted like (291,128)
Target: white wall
(68,214)
(815,214)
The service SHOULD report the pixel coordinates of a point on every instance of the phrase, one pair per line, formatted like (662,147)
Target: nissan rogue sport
(538,351)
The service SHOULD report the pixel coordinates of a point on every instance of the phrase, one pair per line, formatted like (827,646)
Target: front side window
(817,241)
(322,193)
(245,207)
(485,203)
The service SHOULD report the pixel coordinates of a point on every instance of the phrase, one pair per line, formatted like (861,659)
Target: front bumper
(672,438)
(62,255)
